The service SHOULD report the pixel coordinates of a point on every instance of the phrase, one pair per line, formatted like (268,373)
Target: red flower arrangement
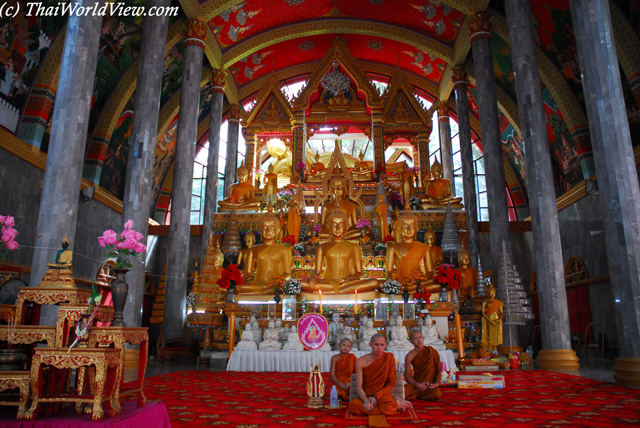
(424,296)
(388,238)
(448,276)
(230,277)
(379,169)
(288,240)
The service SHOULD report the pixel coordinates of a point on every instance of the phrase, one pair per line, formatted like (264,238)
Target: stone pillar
(423,154)
(233,130)
(445,142)
(179,229)
(499,232)
(297,143)
(61,185)
(211,189)
(378,147)
(552,293)
(250,152)
(36,114)
(466,155)
(142,142)
(617,176)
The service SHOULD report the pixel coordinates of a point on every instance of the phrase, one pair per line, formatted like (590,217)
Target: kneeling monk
(375,379)
(424,382)
(343,365)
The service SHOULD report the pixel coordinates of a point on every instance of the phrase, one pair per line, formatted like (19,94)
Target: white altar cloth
(291,361)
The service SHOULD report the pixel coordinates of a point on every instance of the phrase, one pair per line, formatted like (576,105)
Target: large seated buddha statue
(242,195)
(438,190)
(318,169)
(362,170)
(267,260)
(409,257)
(60,273)
(343,271)
(338,191)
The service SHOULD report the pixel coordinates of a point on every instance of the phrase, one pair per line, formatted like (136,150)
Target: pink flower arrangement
(300,166)
(363,222)
(123,246)
(8,235)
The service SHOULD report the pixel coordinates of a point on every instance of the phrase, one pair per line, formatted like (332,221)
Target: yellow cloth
(439,188)
(240,191)
(294,223)
(345,367)
(411,261)
(426,368)
(378,380)
(340,260)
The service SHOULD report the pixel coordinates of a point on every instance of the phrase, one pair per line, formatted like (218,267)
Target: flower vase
(276,296)
(231,296)
(405,296)
(119,292)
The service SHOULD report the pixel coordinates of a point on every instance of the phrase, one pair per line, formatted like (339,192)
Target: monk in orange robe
(343,365)
(375,379)
(422,371)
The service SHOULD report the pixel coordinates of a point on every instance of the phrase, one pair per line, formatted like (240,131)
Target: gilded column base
(506,350)
(627,371)
(558,359)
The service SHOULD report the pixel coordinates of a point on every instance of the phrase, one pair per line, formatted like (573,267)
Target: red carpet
(531,398)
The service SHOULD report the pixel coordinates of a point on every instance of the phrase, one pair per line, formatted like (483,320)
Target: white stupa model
(516,305)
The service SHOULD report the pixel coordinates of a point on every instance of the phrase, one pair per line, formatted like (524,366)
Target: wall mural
(24,42)
(114,169)
(502,65)
(172,74)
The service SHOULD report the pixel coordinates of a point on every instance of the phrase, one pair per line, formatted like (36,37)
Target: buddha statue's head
(419,322)
(408,225)
(338,186)
(491,291)
(436,169)
(399,320)
(317,157)
(463,257)
(381,198)
(272,325)
(65,242)
(269,226)
(392,321)
(369,323)
(277,148)
(428,321)
(250,239)
(430,237)
(242,174)
(270,169)
(336,317)
(361,156)
(337,223)
(248,326)
(278,323)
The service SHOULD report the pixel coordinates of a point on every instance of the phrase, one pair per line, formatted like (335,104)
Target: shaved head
(377,336)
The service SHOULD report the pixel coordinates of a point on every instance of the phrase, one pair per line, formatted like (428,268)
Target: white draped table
(292,361)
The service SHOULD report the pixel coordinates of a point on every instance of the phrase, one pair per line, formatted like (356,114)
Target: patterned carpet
(531,398)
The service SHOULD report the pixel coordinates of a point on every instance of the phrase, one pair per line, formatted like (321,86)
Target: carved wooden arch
(575,270)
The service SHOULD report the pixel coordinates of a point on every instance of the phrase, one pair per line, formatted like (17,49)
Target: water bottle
(334,398)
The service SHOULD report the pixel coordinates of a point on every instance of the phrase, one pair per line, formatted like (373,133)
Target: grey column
(178,249)
(233,131)
(61,185)
(552,294)
(142,143)
(211,189)
(492,146)
(617,176)
(466,155)
(444,128)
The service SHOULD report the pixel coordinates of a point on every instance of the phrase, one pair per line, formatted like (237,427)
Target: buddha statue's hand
(313,282)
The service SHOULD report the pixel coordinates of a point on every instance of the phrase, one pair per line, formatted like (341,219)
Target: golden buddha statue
(249,241)
(241,194)
(469,276)
(338,189)
(395,231)
(267,260)
(362,169)
(380,212)
(435,252)
(60,273)
(408,256)
(406,185)
(318,168)
(294,220)
(438,190)
(270,188)
(492,314)
(283,158)
(343,271)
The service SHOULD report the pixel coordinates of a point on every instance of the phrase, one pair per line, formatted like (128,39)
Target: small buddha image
(60,273)
(438,190)
(242,195)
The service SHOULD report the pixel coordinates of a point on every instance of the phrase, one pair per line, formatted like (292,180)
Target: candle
(320,293)
(356,302)
(459,335)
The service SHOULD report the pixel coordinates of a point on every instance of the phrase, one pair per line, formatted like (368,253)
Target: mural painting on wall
(555,35)
(512,148)
(564,155)
(205,102)
(120,41)
(165,150)
(172,74)
(502,65)
(24,42)
(114,169)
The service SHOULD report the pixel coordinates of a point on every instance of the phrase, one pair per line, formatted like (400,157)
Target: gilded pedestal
(627,371)
(558,359)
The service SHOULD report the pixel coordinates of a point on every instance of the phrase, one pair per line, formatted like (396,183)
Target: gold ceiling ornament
(342,170)
(195,34)
(335,81)
(479,26)
(459,77)
(218,79)
(443,110)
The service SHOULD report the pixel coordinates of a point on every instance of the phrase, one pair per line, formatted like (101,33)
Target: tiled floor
(593,368)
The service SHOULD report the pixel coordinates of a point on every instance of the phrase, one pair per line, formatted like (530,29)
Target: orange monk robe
(410,263)
(469,279)
(426,369)
(318,167)
(345,367)
(294,222)
(436,255)
(381,215)
(240,192)
(439,188)
(378,380)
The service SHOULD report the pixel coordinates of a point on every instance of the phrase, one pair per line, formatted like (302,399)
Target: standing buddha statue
(492,313)
(406,185)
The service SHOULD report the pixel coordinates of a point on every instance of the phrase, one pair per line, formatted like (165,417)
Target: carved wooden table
(71,313)
(108,371)
(16,379)
(49,296)
(118,336)
(28,334)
